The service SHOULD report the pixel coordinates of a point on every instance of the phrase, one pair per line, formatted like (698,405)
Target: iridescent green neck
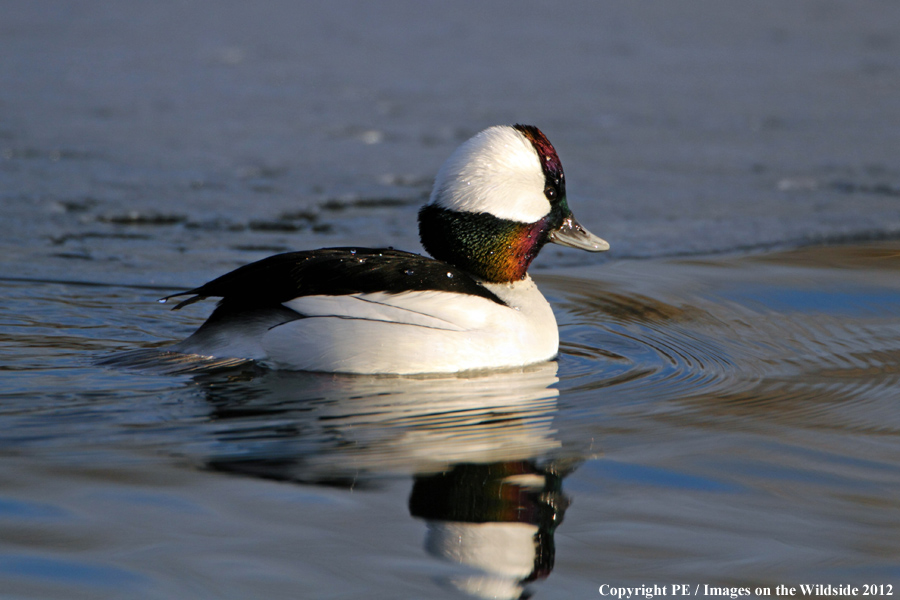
(494,249)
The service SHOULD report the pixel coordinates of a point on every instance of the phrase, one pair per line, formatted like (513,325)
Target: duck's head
(496,201)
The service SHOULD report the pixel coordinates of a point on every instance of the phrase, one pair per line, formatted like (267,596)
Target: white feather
(498,172)
(390,308)
(415,332)
(238,337)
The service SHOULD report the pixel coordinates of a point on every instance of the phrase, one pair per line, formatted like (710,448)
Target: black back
(334,272)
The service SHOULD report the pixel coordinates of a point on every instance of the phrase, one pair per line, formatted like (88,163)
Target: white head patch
(498,172)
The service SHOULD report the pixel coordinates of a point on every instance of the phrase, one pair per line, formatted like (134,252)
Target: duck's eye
(550,192)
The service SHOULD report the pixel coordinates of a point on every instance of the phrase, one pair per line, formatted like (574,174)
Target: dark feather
(334,272)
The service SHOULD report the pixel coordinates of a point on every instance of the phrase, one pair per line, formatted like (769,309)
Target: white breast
(415,332)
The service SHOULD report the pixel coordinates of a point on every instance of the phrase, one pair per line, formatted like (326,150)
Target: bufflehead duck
(496,201)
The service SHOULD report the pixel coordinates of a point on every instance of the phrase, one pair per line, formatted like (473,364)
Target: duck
(470,306)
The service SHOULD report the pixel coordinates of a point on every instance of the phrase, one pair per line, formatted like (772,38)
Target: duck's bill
(573,235)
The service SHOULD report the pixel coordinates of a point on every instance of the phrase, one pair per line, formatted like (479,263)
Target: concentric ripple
(800,345)
(644,345)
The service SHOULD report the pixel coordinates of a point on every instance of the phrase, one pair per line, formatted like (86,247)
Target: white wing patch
(435,310)
(412,332)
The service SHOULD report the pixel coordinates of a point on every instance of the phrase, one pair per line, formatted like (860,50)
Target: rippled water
(728,417)
(729,421)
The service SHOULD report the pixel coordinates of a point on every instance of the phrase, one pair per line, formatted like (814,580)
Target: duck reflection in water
(486,463)
(498,519)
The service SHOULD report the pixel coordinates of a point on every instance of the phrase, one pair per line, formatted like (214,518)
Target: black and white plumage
(497,200)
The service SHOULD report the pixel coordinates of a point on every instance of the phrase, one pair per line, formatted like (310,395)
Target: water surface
(719,421)
(724,407)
